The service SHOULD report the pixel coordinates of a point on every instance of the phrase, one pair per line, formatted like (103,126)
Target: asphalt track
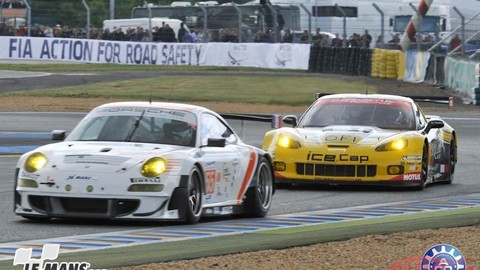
(276,231)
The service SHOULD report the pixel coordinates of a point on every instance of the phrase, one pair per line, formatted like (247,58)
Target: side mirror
(391,21)
(215,142)
(434,124)
(290,120)
(444,25)
(58,135)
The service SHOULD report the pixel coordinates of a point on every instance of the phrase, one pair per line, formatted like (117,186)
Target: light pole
(112,9)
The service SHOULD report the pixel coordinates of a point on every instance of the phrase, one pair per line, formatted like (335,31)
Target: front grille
(336,170)
(65,206)
(79,205)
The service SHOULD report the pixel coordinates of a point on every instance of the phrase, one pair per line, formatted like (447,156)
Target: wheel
(259,198)
(424,173)
(452,161)
(191,198)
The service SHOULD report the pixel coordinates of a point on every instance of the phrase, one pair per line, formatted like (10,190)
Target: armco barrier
(349,61)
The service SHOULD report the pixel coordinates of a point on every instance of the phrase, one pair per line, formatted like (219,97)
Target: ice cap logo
(283,55)
(23,256)
(443,257)
(238,54)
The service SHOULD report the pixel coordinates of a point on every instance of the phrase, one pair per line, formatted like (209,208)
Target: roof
(163,105)
(368,96)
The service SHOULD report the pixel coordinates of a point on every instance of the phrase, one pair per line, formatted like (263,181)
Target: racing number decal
(212,177)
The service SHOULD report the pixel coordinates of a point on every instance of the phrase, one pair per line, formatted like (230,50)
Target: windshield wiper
(134,127)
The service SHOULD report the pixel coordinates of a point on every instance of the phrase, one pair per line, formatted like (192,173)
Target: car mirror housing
(216,142)
(434,124)
(290,120)
(58,135)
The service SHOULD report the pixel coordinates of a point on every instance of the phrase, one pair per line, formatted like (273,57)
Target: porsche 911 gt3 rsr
(148,161)
(363,139)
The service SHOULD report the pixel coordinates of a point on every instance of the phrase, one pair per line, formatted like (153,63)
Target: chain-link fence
(370,26)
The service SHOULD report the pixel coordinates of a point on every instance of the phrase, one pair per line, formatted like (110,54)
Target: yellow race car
(363,139)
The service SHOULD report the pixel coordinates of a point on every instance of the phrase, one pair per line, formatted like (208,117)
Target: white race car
(147,161)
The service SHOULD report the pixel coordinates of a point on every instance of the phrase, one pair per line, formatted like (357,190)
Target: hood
(345,135)
(114,155)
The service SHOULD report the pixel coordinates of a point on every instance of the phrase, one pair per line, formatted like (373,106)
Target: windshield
(386,114)
(143,125)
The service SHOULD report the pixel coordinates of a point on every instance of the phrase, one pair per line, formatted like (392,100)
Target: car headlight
(35,162)
(153,167)
(288,142)
(394,145)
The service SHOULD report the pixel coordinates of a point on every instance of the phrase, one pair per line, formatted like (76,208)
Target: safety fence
(348,61)
(457,73)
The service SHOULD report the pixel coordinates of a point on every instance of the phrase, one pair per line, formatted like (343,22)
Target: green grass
(236,88)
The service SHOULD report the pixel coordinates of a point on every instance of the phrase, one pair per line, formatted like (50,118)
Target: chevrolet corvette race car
(147,161)
(363,139)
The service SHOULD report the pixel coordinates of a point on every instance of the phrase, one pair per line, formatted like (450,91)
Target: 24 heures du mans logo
(23,256)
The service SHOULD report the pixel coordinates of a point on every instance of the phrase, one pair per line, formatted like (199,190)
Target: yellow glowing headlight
(35,162)
(397,144)
(153,167)
(287,142)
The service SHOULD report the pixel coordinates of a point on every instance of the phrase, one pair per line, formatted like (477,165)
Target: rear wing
(274,119)
(430,99)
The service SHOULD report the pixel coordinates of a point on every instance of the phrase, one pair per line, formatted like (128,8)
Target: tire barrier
(348,61)
(388,64)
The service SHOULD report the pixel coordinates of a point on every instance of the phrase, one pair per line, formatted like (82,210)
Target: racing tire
(424,172)
(191,198)
(452,161)
(259,198)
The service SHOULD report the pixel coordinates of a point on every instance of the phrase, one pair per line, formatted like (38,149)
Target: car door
(222,165)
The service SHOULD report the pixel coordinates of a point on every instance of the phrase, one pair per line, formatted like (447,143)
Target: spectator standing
(337,41)
(304,37)
(366,39)
(317,38)
(455,42)
(57,31)
(287,36)
(354,40)
(48,32)
(378,43)
(181,32)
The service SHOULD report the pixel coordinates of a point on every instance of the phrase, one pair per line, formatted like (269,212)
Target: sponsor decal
(411,177)
(50,182)
(23,256)
(443,257)
(410,158)
(238,54)
(80,177)
(145,180)
(31,176)
(211,178)
(336,158)
(341,139)
(438,257)
(283,55)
